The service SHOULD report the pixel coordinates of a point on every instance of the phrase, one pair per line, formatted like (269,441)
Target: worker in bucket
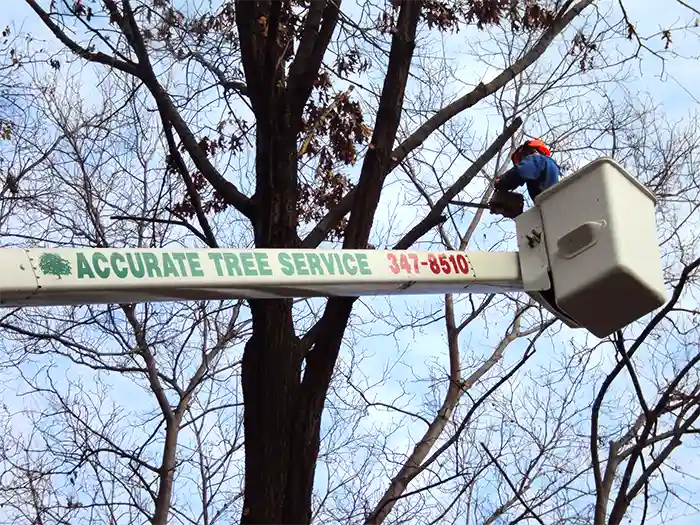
(532,166)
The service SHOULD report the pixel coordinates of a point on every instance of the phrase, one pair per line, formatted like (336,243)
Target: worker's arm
(528,169)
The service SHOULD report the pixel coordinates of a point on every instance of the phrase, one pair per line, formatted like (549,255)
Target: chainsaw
(506,203)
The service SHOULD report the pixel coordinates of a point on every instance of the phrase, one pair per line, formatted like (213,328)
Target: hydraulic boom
(37,277)
(587,252)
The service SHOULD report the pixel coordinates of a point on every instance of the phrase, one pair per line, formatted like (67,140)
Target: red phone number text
(441,263)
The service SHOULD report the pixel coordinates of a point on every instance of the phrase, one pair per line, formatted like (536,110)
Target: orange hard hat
(535,144)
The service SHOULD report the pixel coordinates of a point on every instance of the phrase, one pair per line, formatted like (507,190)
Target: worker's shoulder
(550,162)
(539,160)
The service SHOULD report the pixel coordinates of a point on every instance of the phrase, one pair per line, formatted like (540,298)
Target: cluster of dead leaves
(334,128)
(449,15)
(211,199)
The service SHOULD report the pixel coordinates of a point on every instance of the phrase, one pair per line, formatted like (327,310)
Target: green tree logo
(54,264)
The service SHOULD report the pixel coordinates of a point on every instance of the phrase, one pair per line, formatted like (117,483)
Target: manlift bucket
(599,234)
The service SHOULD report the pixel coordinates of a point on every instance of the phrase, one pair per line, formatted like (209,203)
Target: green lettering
(136,271)
(169,269)
(114,260)
(195,265)
(216,257)
(314,264)
(300,264)
(285,261)
(84,269)
(263,263)
(339,264)
(328,262)
(248,261)
(151,262)
(363,264)
(347,259)
(98,258)
(232,265)
(180,258)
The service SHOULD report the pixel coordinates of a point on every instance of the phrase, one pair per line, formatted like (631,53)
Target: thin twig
(620,346)
(172,222)
(685,4)
(511,485)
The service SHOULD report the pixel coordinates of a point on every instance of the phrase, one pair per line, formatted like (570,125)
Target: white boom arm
(587,251)
(36,277)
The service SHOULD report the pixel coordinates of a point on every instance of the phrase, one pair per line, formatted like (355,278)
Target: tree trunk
(271,363)
(282,417)
(306,436)
(270,380)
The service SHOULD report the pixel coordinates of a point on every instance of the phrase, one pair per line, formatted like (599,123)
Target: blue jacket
(537,171)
